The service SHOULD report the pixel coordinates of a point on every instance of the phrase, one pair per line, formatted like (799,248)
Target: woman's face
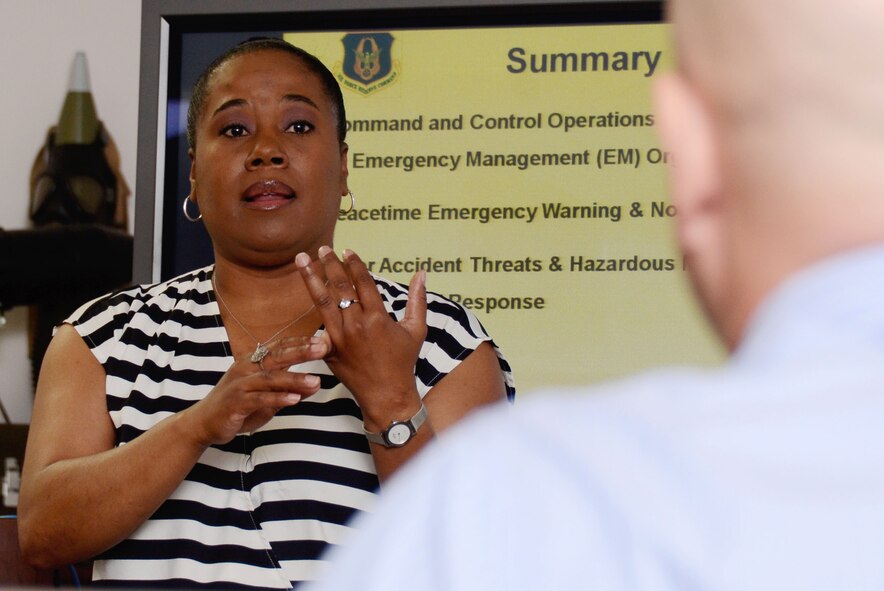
(268,171)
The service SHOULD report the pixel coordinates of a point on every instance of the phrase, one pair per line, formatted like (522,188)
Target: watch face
(398,434)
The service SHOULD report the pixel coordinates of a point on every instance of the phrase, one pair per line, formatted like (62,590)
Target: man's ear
(688,133)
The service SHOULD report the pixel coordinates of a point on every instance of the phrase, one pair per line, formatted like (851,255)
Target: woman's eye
(300,127)
(234,130)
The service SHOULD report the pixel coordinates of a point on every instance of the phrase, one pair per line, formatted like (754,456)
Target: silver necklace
(261,348)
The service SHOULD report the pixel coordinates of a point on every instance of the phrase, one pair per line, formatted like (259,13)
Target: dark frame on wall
(165,21)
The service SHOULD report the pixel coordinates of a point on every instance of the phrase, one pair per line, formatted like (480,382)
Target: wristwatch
(399,432)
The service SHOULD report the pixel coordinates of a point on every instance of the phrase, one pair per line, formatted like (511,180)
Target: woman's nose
(266,151)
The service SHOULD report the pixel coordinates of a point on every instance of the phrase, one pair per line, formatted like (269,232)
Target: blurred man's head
(775,118)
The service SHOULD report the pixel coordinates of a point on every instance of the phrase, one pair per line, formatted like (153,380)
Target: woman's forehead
(270,70)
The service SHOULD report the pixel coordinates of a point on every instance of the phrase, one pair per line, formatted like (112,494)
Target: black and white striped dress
(259,511)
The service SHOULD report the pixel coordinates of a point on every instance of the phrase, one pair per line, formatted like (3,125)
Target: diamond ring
(344,304)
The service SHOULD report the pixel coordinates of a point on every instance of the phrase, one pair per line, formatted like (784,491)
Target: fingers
(351,282)
(326,303)
(339,281)
(243,402)
(271,376)
(366,290)
(280,383)
(289,351)
(415,320)
(349,290)
(273,400)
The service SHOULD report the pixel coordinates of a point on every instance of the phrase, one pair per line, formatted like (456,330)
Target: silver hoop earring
(352,203)
(186,214)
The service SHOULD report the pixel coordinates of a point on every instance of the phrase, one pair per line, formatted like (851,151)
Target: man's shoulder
(614,440)
(576,413)
(549,481)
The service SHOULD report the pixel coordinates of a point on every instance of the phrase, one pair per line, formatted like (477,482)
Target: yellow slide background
(592,325)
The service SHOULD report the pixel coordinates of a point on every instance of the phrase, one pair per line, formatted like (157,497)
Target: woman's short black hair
(326,78)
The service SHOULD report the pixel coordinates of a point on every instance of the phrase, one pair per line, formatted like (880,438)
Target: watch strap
(413,424)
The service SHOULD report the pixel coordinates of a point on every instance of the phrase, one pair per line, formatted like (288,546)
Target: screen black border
(165,22)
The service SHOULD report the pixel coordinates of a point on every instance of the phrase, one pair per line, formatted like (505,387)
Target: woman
(222,427)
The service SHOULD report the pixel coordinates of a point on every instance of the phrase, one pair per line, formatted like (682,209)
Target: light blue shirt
(765,473)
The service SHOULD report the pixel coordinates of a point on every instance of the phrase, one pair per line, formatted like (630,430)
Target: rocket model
(79,247)
(72,181)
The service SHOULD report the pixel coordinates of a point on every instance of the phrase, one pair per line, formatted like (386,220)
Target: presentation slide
(520,167)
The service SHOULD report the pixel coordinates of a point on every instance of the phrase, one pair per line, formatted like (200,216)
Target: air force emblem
(368,62)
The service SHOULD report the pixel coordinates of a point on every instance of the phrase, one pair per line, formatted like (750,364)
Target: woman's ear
(688,134)
(345,150)
(191,155)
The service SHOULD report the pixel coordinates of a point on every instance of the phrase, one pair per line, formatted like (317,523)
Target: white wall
(38,39)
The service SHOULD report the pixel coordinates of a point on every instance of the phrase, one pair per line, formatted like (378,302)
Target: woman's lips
(268,194)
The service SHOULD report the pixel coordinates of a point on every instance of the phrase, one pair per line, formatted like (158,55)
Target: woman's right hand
(247,396)
(82,493)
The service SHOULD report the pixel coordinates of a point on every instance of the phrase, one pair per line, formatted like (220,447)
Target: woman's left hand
(372,354)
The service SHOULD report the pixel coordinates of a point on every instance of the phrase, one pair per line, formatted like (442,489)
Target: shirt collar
(832,308)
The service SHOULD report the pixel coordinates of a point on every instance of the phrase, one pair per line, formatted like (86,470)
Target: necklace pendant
(259,354)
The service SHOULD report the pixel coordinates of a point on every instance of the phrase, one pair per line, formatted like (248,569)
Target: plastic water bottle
(11,483)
